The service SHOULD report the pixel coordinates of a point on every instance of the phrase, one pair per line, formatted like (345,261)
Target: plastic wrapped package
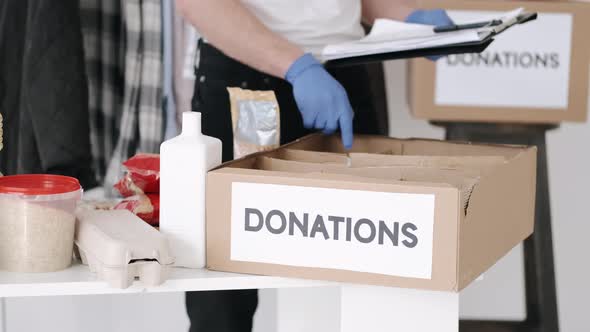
(146,207)
(141,187)
(143,175)
(255,121)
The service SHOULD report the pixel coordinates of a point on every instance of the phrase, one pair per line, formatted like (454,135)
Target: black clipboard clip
(457,27)
(523,18)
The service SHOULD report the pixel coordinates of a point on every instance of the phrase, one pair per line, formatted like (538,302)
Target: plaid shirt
(104,52)
(123,44)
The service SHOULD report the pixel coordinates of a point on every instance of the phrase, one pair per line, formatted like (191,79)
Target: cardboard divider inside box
(406,213)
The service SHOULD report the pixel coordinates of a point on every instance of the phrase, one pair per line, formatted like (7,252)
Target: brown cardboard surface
(449,162)
(439,148)
(488,230)
(358,159)
(460,178)
(482,209)
(282,165)
(444,248)
(307,156)
(376,144)
(421,74)
(405,167)
(408,147)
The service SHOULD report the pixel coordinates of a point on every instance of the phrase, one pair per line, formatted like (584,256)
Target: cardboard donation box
(407,213)
(533,73)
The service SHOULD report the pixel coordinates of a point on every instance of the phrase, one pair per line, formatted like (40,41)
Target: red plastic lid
(38,184)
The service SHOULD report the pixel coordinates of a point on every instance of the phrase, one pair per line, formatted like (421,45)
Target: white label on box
(374,232)
(526,66)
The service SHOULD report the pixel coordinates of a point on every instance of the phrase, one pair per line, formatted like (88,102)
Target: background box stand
(541,298)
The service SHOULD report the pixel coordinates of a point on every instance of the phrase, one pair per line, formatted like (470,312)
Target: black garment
(216,72)
(43,90)
(232,311)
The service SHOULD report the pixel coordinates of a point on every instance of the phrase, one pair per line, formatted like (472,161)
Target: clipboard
(461,48)
(475,47)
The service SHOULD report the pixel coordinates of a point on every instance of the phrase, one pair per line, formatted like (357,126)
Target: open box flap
(410,146)
(448,162)
(358,159)
(366,144)
(446,148)
(483,234)
(465,181)
(329,176)
(462,179)
(362,143)
(310,156)
(281,165)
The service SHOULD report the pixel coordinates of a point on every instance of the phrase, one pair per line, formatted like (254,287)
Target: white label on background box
(526,66)
(374,232)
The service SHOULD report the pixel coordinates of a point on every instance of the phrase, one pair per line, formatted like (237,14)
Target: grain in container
(37,222)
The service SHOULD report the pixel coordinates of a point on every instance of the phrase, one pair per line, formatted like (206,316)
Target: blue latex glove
(436,17)
(322,101)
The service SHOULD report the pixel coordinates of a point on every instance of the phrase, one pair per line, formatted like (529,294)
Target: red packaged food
(142,177)
(146,207)
(127,188)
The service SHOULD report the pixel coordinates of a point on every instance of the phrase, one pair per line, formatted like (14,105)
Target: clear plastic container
(37,222)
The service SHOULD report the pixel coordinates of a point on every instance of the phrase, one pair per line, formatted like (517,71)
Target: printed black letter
(392,235)
(318,226)
(357,232)
(248,227)
(293,220)
(281,217)
(412,237)
(336,221)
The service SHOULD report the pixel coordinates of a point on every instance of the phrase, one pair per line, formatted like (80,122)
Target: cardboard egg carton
(119,247)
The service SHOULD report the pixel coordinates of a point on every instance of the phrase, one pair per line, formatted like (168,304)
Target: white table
(301,305)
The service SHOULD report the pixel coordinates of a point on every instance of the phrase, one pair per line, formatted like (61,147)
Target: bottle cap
(191,123)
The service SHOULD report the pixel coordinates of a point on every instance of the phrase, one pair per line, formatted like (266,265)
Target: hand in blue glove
(436,17)
(322,101)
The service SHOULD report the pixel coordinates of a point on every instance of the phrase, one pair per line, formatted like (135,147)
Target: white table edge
(77,281)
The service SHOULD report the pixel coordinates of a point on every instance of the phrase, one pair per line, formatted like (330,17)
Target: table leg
(353,308)
(3,314)
(314,309)
(381,309)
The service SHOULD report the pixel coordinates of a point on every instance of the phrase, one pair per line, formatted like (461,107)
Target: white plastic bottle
(184,162)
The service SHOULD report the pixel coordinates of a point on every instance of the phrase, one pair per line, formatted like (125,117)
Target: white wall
(569,163)
(499,295)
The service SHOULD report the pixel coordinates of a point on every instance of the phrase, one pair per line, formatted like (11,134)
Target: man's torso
(310,24)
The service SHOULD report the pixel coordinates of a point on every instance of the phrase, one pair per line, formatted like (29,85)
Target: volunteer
(275,45)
